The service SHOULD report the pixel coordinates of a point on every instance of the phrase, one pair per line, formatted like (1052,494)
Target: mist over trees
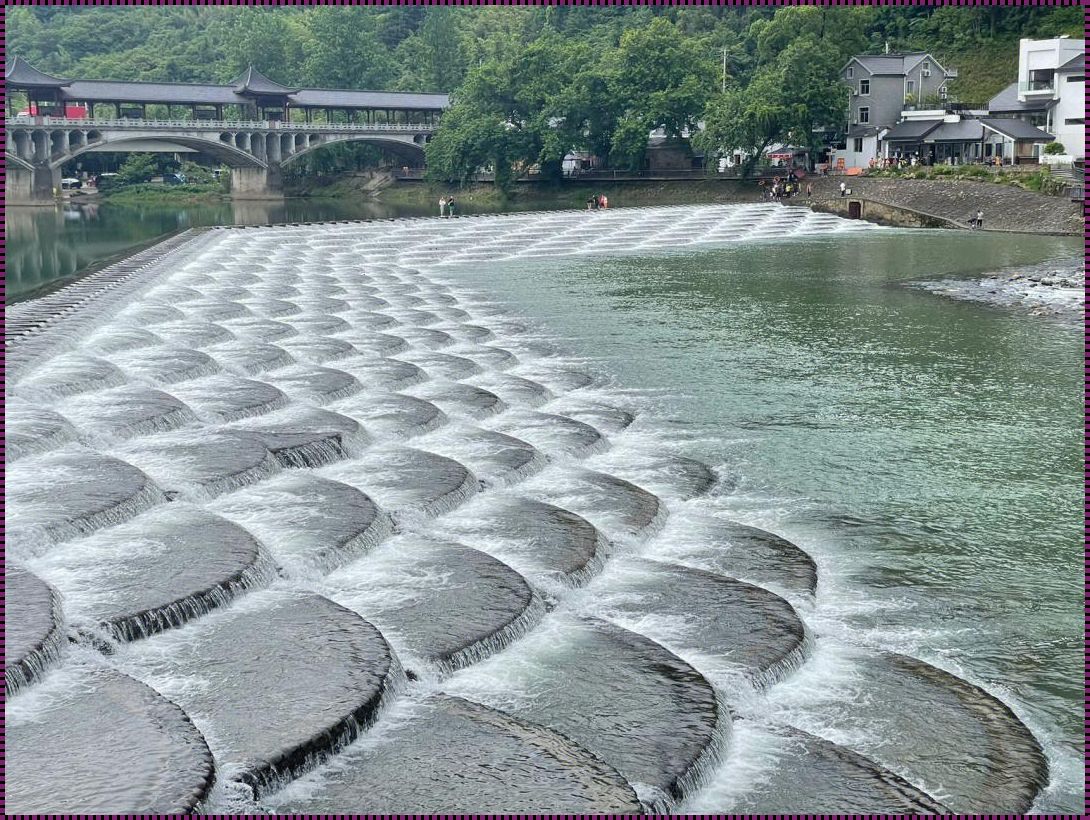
(532,84)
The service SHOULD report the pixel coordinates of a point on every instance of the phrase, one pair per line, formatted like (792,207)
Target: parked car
(174,179)
(70,184)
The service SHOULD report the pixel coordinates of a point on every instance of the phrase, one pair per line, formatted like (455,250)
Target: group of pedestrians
(976,221)
(597,201)
(446,206)
(787,188)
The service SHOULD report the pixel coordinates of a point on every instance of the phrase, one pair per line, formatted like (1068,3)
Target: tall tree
(342,50)
(660,80)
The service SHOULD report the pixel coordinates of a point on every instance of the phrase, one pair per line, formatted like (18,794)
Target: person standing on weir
(442,206)
(843,189)
(450,207)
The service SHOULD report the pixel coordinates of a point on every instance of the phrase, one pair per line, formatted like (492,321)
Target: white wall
(1071,106)
(1034,55)
(860,159)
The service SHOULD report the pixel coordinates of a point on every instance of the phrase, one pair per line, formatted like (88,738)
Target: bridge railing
(216,125)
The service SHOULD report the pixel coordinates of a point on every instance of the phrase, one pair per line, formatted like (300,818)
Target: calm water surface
(926,451)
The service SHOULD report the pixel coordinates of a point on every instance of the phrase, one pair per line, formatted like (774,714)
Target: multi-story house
(1050,90)
(880,86)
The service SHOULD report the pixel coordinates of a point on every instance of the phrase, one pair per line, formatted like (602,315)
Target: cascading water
(303,456)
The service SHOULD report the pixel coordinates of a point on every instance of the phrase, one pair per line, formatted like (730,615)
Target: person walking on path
(980,219)
(843,188)
(809,190)
(442,206)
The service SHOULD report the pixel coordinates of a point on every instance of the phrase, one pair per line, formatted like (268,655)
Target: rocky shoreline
(1054,289)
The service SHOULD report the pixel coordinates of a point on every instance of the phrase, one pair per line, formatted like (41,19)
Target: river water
(925,451)
(392,422)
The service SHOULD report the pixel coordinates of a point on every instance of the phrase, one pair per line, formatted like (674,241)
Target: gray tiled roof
(964,131)
(863,130)
(891,63)
(253,81)
(1018,129)
(169,93)
(1074,64)
(369,99)
(194,94)
(21,74)
(1007,102)
(911,130)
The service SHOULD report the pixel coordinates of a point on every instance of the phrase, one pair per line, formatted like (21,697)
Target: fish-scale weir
(291,459)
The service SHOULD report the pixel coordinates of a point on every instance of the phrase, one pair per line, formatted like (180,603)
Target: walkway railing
(218,125)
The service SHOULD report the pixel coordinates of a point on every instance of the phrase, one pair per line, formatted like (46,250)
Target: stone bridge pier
(257,183)
(31,186)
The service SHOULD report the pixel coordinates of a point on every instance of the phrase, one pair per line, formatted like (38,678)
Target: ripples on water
(341,485)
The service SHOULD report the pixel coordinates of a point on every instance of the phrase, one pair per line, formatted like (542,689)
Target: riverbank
(526,195)
(1006,208)
(1054,289)
(152,194)
(931,203)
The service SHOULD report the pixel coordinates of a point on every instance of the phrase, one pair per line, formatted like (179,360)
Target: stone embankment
(952,201)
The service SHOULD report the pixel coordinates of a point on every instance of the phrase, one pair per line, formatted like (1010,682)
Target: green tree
(137,168)
(660,80)
(342,50)
(784,102)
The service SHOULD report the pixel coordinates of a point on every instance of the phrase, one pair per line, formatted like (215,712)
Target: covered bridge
(249,97)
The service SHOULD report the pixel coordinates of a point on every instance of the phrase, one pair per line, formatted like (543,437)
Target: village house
(880,87)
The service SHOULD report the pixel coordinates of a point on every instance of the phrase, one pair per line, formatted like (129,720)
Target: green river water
(926,451)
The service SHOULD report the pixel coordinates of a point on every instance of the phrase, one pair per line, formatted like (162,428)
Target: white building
(1053,72)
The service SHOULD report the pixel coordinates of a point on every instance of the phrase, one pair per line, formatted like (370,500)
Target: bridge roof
(333,98)
(252,81)
(21,74)
(200,94)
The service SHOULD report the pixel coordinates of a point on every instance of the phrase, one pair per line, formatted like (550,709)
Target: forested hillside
(534,83)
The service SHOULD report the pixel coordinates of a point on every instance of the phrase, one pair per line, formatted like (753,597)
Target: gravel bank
(1053,289)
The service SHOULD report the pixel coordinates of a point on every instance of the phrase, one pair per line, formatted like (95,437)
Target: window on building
(1076,79)
(858,145)
(851,72)
(864,87)
(1075,121)
(943,93)
(864,114)
(910,87)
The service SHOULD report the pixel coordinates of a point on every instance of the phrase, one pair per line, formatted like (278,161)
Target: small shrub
(1055,148)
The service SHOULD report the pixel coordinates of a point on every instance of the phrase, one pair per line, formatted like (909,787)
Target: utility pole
(724,69)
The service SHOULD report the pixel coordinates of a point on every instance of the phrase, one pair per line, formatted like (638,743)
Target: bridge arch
(403,145)
(12,161)
(224,152)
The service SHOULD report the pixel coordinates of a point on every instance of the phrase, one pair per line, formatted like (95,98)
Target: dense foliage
(532,84)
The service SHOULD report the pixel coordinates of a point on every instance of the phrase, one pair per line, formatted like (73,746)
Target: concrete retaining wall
(882,213)
(951,202)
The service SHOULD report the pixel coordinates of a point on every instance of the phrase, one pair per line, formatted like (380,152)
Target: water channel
(561,547)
